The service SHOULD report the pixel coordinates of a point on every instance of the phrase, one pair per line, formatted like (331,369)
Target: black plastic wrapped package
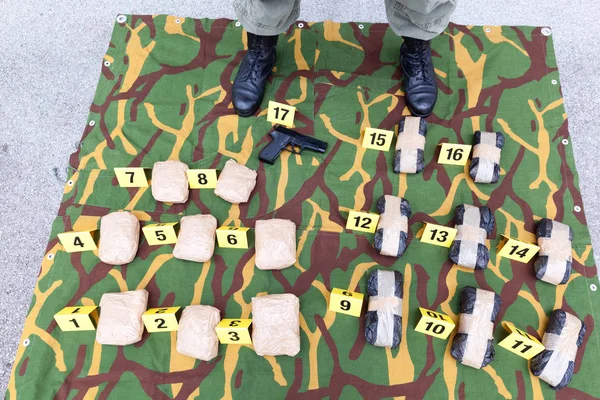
(473,225)
(556,363)
(473,345)
(410,145)
(555,257)
(383,321)
(391,237)
(485,164)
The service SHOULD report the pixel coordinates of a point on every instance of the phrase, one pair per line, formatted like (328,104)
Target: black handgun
(282,137)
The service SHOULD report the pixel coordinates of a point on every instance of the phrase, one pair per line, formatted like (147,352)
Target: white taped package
(473,224)
(236,182)
(275,243)
(563,336)
(485,164)
(120,321)
(473,345)
(391,237)
(276,325)
(555,260)
(119,238)
(383,320)
(196,239)
(170,182)
(410,145)
(196,336)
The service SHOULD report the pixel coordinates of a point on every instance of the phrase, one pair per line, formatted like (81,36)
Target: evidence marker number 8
(202,178)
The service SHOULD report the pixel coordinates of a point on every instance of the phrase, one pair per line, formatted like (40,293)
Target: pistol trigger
(294,148)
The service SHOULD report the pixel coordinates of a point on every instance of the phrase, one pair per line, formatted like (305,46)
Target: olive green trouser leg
(420,19)
(266,17)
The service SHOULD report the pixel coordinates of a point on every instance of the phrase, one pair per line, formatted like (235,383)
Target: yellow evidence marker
(438,235)
(377,139)
(346,302)
(518,250)
(131,177)
(233,237)
(163,233)
(281,114)
(162,319)
(202,178)
(77,318)
(520,342)
(435,324)
(454,153)
(362,221)
(234,331)
(78,241)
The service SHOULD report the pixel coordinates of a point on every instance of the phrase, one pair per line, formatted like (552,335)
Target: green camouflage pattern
(165,93)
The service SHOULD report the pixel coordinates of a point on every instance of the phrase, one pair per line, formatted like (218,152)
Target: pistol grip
(271,151)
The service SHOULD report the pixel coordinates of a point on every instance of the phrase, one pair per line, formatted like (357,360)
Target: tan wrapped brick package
(236,182)
(196,240)
(196,336)
(119,238)
(275,243)
(169,182)
(120,320)
(276,325)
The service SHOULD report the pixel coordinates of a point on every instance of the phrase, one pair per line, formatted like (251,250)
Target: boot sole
(245,114)
(419,115)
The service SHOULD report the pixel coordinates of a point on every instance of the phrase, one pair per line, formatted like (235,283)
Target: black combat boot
(419,77)
(257,64)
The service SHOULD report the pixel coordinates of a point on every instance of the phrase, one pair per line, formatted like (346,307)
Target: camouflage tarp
(164,93)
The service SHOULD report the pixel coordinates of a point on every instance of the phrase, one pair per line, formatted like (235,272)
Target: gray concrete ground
(50,54)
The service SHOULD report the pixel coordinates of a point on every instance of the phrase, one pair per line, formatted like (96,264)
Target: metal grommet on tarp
(360,26)
(546,31)
(577,208)
(177,21)
(238,23)
(593,287)
(50,256)
(301,25)
(488,30)
(26,342)
(565,141)
(92,123)
(121,18)
(56,170)
(106,63)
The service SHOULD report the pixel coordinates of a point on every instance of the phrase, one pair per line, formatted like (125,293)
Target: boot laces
(422,56)
(254,58)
